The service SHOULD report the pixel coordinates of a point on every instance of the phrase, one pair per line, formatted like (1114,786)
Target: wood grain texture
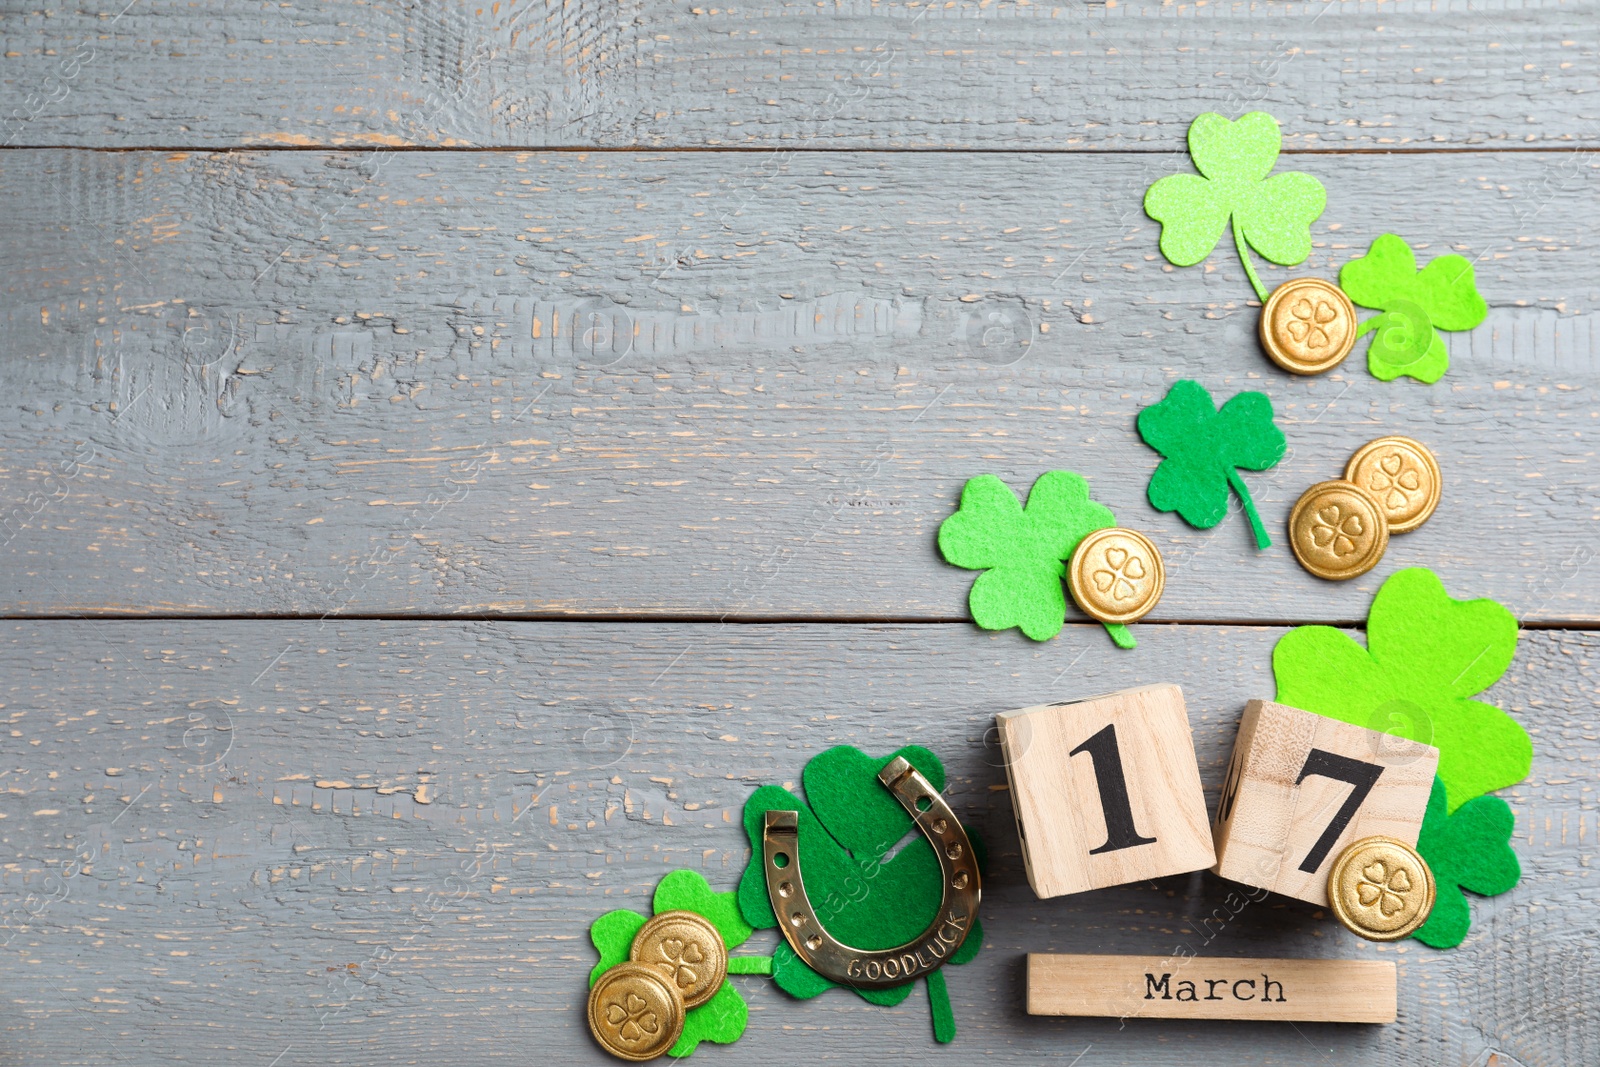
(1092,814)
(654,387)
(793,74)
(1211,987)
(309,383)
(396,852)
(1274,815)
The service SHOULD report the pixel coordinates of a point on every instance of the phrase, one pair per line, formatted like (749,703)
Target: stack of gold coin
(1308,325)
(1340,529)
(1381,889)
(677,962)
(1116,575)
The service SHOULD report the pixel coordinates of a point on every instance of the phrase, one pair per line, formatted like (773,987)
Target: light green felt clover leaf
(1426,655)
(721,1019)
(1203,446)
(1022,551)
(1272,214)
(848,823)
(1469,850)
(1416,305)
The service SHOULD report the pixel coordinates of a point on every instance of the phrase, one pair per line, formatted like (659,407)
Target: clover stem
(1367,326)
(749,964)
(944,1016)
(1244,257)
(1121,636)
(1262,540)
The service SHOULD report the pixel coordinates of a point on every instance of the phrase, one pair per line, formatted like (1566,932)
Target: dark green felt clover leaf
(1426,656)
(1272,214)
(1022,551)
(1416,305)
(1203,449)
(1469,850)
(721,1019)
(848,823)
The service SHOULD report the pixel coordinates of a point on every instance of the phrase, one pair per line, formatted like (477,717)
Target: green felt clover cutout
(1203,449)
(721,1019)
(1272,214)
(848,824)
(1469,850)
(1426,655)
(1416,305)
(1022,551)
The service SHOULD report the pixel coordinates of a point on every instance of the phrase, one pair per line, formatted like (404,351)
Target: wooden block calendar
(1301,787)
(1193,987)
(1105,790)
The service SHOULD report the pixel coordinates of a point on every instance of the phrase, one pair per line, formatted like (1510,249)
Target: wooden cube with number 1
(1106,790)
(1301,787)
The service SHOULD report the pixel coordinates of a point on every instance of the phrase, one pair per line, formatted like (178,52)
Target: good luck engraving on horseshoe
(876,969)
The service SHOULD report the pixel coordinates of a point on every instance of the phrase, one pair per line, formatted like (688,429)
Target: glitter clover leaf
(1416,305)
(1273,214)
(1426,656)
(721,1019)
(1470,850)
(849,823)
(1022,550)
(1203,447)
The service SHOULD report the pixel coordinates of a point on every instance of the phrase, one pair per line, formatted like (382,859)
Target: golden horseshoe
(876,969)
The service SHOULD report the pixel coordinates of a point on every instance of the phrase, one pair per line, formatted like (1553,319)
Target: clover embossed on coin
(1402,475)
(1381,889)
(1308,325)
(687,950)
(635,1012)
(1338,530)
(1116,575)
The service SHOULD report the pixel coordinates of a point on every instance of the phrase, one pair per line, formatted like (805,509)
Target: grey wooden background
(454,452)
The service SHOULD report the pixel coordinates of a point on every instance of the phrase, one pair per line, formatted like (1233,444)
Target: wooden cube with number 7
(1106,790)
(1301,787)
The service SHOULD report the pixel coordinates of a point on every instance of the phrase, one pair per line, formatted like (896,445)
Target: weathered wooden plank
(280,383)
(793,74)
(393,851)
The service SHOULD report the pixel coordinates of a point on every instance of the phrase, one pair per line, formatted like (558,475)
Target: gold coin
(1338,530)
(687,950)
(1381,889)
(1116,575)
(1404,477)
(634,1012)
(1308,325)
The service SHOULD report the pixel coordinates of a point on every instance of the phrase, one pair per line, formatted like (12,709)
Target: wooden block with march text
(1106,790)
(1301,787)
(1199,987)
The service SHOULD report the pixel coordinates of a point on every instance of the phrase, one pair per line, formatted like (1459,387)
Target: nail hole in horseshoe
(804,930)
